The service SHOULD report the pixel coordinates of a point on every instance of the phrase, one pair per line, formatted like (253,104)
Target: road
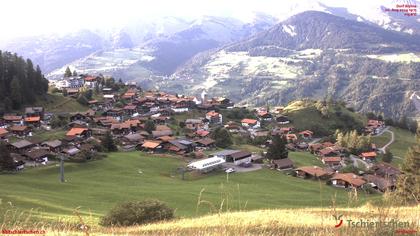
(383,149)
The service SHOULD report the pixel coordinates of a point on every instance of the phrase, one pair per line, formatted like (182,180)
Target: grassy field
(381,140)
(96,186)
(304,159)
(58,103)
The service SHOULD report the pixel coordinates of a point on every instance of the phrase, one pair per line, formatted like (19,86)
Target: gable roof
(76,131)
(206,141)
(19,128)
(248,121)
(151,144)
(313,170)
(53,143)
(350,178)
(22,144)
(368,154)
(33,119)
(3,132)
(285,162)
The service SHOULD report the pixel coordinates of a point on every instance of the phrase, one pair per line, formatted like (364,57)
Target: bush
(136,213)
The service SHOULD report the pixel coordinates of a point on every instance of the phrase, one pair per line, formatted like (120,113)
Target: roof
(72,151)
(206,163)
(130,107)
(33,119)
(157,133)
(36,153)
(162,128)
(313,170)
(368,154)
(134,137)
(285,162)
(385,169)
(53,143)
(225,152)
(76,131)
(202,132)
(205,141)
(249,121)
(18,128)
(380,182)
(3,132)
(166,138)
(21,144)
(29,110)
(90,78)
(350,178)
(331,159)
(240,154)
(12,118)
(193,121)
(151,144)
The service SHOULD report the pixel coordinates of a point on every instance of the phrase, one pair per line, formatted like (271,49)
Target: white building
(207,165)
(70,82)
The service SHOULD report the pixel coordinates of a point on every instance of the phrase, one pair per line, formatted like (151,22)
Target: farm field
(95,187)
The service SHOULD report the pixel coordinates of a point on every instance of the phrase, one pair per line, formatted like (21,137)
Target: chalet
(72,92)
(20,130)
(306,134)
(265,116)
(315,147)
(19,161)
(130,109)
(302,146)
(282,120)
(386,170)
(194,124)
(333,162)
(250,123)
(180,146)
(38,155)
(133,124)
(151,145)
(347,180)
(232,127)
(282,164)
(78,124)
(157,134)
(374,126)
(371,156)
(3,133)
(135,138)
(90,82)
(129,95)
(206,143)
(328,152)
(34,121)
(34,112)
(214,117)
(380,183)
(98,131)
(166,139)
(79,132)
(291,138)
(53,145)
(115,112)
(21,146)
(71,151)
(120,128)
(315,172)
(202,133)
(11,119)
(259,133)
(207,165)
(281,131)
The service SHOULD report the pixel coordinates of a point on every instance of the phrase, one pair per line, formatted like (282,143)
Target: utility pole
(61,169)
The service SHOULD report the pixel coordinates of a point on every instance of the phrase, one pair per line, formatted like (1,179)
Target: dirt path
(383,149)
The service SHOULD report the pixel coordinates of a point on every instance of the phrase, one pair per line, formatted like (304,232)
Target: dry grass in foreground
(310,221)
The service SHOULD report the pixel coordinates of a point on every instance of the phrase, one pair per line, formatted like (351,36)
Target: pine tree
(277,149)
(15,93)
(6,161)
(408,183)
(387,157)
(108,142)
(149,126)
(74,73)
(67,73)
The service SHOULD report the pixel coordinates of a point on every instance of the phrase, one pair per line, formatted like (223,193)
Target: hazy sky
(33,17)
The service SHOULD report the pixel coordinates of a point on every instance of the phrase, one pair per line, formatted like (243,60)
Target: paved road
(383,149)
(254,167)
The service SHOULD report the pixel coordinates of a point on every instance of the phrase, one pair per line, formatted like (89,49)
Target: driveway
(254,167)
(383,149)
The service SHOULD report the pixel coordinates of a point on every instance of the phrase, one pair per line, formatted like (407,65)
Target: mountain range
(365,56)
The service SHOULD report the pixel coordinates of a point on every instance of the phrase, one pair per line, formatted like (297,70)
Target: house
(53,145)
(347,180)
(135,138)
(282,164)
(157,134)
(374,126)
(19,161)
(207,165)
(194,124)
(315,147)
(20,130)
(179,146)
(130,109)
(120,128)
(205,143)
(265,116)
(34,121)
(78,132)
(371,156)
(386,170)
(291,138)
(151,145)
(78,116)
(90,82)
(12,120)
(315,172)
(232,127)
(21,146)
(38,155)
(282,120)
(3,133)
(333,162)
(306,134)
(202,133)
(34,112)
(250,123)
(214,117)
(380,183)
(78,124)
(72,151)
(328,152)
(72,92)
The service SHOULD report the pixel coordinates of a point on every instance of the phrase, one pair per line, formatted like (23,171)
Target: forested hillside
(20,82)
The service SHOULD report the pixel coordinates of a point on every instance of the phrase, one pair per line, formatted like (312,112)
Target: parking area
(254,167)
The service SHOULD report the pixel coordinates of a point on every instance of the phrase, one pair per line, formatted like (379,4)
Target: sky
(34,17)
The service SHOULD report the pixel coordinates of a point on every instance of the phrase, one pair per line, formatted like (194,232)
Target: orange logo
(339,220)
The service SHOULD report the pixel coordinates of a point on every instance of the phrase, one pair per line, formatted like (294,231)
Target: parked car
(230,170)
(246,165)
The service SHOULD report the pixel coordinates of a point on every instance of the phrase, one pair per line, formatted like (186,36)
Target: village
(194,128)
